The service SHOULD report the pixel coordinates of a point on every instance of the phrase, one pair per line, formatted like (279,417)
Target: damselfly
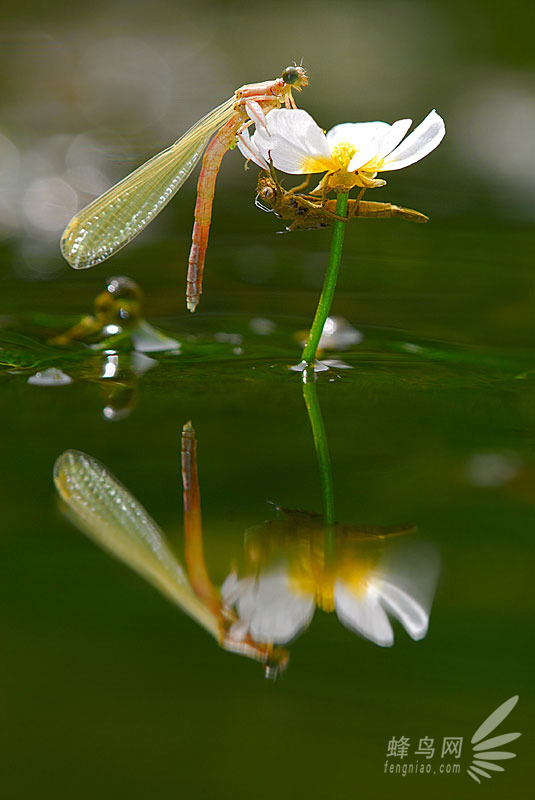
(105,510)
(112,220)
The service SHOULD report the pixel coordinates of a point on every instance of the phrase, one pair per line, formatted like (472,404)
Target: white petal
(418,144)
(412,615)
(50,377)
(363,614)
(248,149)
(147,339)
(392,137)
(141,363)
(364,136)
(274,612)
(295,142)
(360,134)
(385,139)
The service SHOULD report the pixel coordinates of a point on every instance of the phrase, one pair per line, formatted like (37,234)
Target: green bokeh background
(108,689)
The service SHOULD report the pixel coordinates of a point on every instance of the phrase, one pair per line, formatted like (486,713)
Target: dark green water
(111,690)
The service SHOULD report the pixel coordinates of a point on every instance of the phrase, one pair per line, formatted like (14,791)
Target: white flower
(352,153)
(275,606)
(365,612)
(268,610)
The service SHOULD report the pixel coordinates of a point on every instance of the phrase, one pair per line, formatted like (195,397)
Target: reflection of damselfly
(307,211)
(108,513)
(114,219)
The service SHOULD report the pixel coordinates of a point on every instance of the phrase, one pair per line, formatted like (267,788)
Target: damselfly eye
(290,75)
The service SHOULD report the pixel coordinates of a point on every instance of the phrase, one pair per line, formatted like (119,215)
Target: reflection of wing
(296,522)
(106,511)
(115,218)
(374,533)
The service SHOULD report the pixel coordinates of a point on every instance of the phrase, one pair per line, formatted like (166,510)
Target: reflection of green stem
(322,452)
(329,284)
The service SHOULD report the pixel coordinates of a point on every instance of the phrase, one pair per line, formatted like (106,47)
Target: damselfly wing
(112,220)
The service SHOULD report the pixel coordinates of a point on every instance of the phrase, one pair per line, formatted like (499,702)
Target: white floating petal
(50,377)
(140,363)
(147,339)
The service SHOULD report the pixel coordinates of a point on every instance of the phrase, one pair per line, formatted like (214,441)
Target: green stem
(329,284)
(322,453)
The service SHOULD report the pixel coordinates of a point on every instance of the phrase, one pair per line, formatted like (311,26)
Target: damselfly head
(295,76)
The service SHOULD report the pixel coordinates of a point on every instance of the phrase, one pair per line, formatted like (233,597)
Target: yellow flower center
(342,153)
(311,576)
(374,165)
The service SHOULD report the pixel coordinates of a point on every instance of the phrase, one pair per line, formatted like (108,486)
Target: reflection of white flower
(365,612)
(353,151)
(278,604)
(338,334)
(268,609)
